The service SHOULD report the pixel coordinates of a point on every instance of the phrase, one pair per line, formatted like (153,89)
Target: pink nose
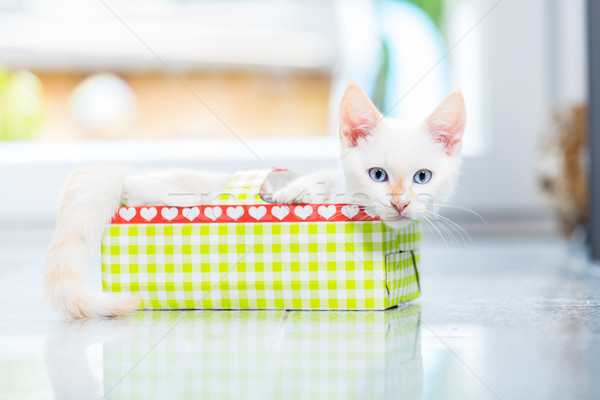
(400,205)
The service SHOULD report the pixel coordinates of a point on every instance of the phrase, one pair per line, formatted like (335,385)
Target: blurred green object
(382,76)
(20,105)
(433,8)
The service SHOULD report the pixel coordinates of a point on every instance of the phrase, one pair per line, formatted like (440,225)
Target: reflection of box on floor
(244,253)
(269,355)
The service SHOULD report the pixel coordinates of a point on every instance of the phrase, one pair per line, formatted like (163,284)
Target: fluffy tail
(89,200)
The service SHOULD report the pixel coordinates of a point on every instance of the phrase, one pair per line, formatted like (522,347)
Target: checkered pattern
(244,187)
(335,265)
(402,277)
(287,265)
(269,355)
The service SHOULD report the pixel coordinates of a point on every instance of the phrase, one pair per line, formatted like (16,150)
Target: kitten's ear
(358,116)
(447,123)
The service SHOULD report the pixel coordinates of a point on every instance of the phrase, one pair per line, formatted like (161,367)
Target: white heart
(213,213)
(190,213)
(257,212)
(350,211)
(280,212)
(370,213)
(127,213)
(148,213)
(303,212)
(326,211)
(169,213)
(235,212)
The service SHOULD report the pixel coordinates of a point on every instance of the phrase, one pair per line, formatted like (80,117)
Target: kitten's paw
(292,194)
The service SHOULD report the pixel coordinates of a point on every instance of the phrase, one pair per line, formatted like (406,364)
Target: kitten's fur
(92,194)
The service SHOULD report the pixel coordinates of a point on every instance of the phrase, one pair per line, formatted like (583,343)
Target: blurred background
(231,84)
(241,84)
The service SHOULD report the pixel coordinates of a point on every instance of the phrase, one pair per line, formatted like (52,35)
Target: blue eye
(423,176)
(378,174)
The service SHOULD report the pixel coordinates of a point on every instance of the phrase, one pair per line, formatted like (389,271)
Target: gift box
(241,252)
(268,355)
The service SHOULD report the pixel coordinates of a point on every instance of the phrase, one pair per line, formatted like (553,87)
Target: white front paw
(291,194)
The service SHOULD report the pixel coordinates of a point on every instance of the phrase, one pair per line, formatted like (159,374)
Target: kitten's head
(397,168)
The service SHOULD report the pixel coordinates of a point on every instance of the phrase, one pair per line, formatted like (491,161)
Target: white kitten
(392,167)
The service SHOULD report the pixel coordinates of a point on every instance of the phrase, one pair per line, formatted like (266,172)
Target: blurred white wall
(570,52)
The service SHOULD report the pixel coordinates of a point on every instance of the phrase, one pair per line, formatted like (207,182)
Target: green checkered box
(244,253)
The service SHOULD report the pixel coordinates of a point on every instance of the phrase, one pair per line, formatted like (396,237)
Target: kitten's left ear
(447,123)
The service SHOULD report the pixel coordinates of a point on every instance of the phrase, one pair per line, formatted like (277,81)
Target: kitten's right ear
(358,115)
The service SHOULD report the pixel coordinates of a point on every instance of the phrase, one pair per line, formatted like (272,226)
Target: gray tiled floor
(502,319)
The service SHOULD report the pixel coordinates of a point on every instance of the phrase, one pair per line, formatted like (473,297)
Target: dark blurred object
(563,167)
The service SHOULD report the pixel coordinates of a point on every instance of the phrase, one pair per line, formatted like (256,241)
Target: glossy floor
(502,319)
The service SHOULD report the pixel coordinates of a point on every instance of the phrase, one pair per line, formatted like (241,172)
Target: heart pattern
(370,213)
(280,212)
(303,212)
(350,211)
(213,212)
(257,212)
(191,213)
(326,211)
(148,213)
(127,213)
(169,213)
(235,212)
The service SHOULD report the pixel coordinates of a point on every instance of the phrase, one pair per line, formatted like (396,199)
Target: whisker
(426,224)
(458,227)
(452,232)
(464,235)
(438,231)
(463,209)
(436,226)
(449,232)
(459,233)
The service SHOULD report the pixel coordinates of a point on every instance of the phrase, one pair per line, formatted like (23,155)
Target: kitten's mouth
(397,222)
(390,214)
(398,218)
